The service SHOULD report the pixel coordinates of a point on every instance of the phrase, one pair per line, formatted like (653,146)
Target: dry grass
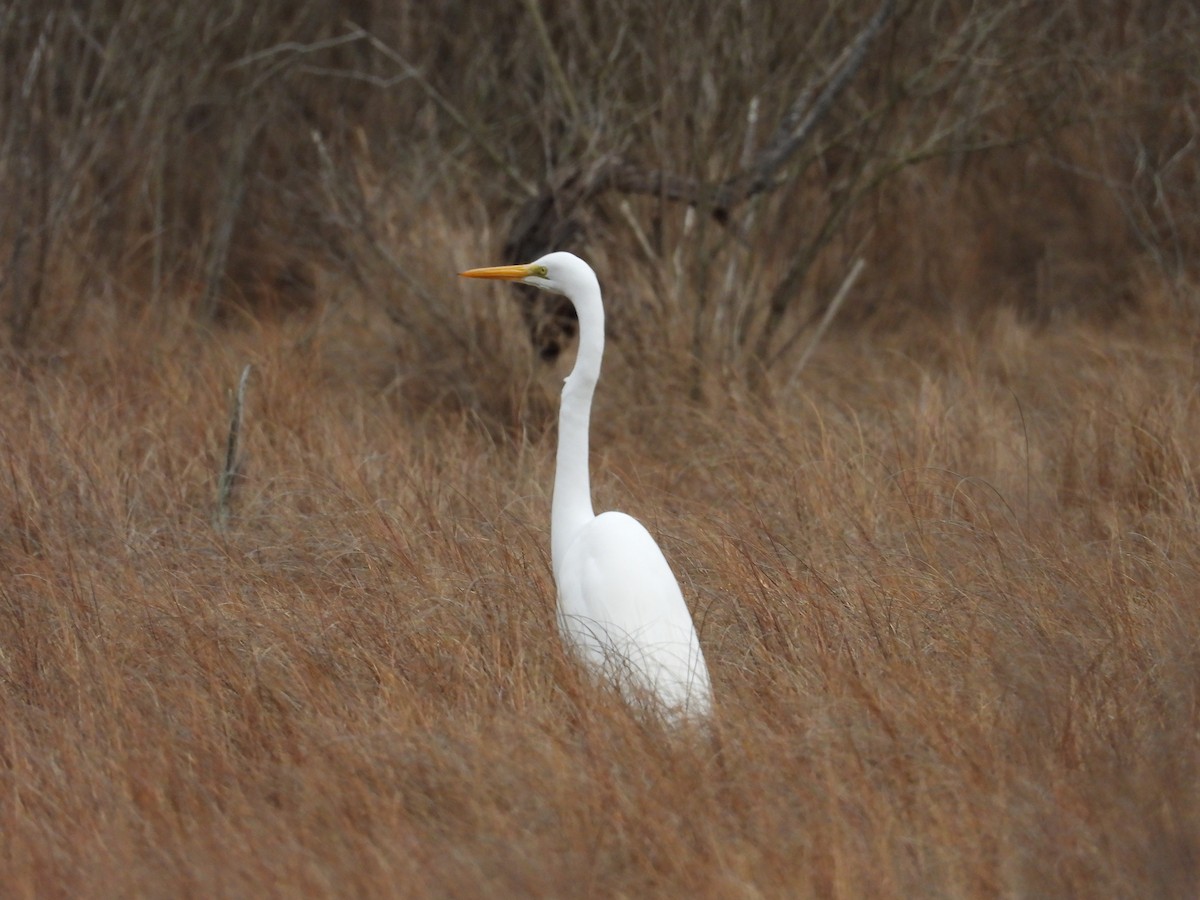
(947,589)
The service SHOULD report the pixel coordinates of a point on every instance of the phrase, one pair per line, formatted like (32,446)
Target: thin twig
(552,60)
(830,312)
(229,471)
(476,135)
(295,48)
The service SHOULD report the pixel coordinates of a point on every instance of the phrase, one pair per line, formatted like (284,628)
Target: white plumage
(619,605)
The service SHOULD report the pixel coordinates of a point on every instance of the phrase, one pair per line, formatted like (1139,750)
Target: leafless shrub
(154,149)
(981,154)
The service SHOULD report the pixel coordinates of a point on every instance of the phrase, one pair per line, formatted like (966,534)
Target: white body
(620,608)
(619,605)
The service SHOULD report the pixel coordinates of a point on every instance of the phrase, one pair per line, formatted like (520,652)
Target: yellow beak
(500,273)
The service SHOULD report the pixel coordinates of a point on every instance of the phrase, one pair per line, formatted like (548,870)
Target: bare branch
(826,320)
(610,173)
(552,218)
(230,471)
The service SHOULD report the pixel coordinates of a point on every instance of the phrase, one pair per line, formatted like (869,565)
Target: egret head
(559,272)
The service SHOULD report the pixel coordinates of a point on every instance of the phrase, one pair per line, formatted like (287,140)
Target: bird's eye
(539,271)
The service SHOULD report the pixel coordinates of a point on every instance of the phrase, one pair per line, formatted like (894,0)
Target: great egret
(619,605)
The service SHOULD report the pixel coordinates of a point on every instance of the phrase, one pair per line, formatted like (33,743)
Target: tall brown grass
(945,572)
(948,599)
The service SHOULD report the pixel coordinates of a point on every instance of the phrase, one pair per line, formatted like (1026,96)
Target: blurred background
(214,161)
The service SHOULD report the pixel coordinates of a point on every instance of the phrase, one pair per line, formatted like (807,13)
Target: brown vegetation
(945,570)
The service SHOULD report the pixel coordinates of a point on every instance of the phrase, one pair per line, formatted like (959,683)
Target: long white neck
(571,507)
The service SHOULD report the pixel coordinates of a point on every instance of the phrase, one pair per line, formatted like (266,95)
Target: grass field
(947,587)
(945,569)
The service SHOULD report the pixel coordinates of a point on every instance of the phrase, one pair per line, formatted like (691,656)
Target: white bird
(619,605)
